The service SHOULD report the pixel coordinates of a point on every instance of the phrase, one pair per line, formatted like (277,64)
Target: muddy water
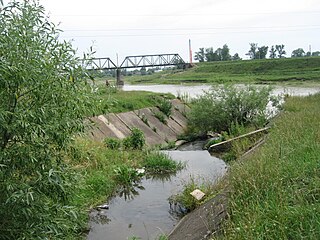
(196,90)
(145,211)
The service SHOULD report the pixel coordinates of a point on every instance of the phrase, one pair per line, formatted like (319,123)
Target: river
(196,90)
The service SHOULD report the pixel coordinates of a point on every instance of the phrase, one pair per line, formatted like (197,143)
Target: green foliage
(161,117)
(277,186)
(218,108)
(136,140)
(125,175)
(113,143)
(157,162)
(165,106)
(43,101)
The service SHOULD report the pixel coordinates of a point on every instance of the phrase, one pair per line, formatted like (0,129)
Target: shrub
(158,162)
(161,117)
(126,175)
(165,106)
(221,106)
(44,98)
(135,141)
(113,143)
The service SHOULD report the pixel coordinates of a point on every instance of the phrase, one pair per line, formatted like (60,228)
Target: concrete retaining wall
(156,132)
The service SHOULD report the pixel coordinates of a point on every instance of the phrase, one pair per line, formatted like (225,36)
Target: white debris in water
(140,170)
(197,194)
(104,206)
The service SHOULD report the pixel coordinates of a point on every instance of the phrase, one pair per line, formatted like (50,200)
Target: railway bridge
(139,61)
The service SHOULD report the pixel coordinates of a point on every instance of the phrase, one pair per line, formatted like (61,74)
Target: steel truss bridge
(138,62)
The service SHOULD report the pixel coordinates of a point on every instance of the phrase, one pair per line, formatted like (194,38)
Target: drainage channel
(144,211)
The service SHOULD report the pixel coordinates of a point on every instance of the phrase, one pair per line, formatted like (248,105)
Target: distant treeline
(255,52)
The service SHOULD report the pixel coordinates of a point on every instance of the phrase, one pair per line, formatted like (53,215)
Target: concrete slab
(172,124)
(122,129)
(179,118)
(109,129)
(204,222)
(180,106)
(163,130)
(94,131)
(131,120)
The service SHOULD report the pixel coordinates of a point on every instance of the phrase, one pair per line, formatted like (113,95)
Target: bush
(158,162)
(165,106)
(135,141)
(44,98)
(221,106)
(113,143)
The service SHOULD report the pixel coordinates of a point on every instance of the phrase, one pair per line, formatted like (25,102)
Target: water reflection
(162,177)
(144,206)
(129,192)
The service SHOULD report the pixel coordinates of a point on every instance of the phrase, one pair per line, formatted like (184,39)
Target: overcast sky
(128,27)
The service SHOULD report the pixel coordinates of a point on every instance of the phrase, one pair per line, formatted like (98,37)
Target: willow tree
(43,100)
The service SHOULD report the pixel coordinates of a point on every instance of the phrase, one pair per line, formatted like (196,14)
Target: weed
(163,237)
(186,200)
(157,162)
(113,143)
(134,238)
(144,119)
(136,140)
(165,106)
(125,175)
(184,97)
(161,117)
(154,129)
(169,145)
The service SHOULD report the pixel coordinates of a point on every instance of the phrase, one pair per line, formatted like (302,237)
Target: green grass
(245,71)
(275,194)
(115,100)
(158,162)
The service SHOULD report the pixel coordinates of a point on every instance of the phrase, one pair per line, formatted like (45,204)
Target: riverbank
(268,71)
(275,192)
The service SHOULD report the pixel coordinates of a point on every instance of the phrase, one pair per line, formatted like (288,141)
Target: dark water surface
(146,212)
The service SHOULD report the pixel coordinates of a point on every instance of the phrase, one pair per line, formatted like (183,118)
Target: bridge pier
(118,76)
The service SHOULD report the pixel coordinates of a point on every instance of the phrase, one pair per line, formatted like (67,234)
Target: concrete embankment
(156,132)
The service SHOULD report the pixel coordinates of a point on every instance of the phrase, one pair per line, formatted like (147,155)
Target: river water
(196,90)
(145,212)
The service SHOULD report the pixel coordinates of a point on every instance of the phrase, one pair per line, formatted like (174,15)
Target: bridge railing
(102,63)
(152,61)
(137,62)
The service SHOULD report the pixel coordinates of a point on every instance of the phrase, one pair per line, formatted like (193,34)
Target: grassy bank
(293,70)
(275,194)
(115,100)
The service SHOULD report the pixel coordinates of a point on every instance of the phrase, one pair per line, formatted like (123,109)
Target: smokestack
(190,52)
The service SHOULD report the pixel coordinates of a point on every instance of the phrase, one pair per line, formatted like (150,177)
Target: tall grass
(275,194)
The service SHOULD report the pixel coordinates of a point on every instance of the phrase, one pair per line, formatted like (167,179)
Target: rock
(180,142)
